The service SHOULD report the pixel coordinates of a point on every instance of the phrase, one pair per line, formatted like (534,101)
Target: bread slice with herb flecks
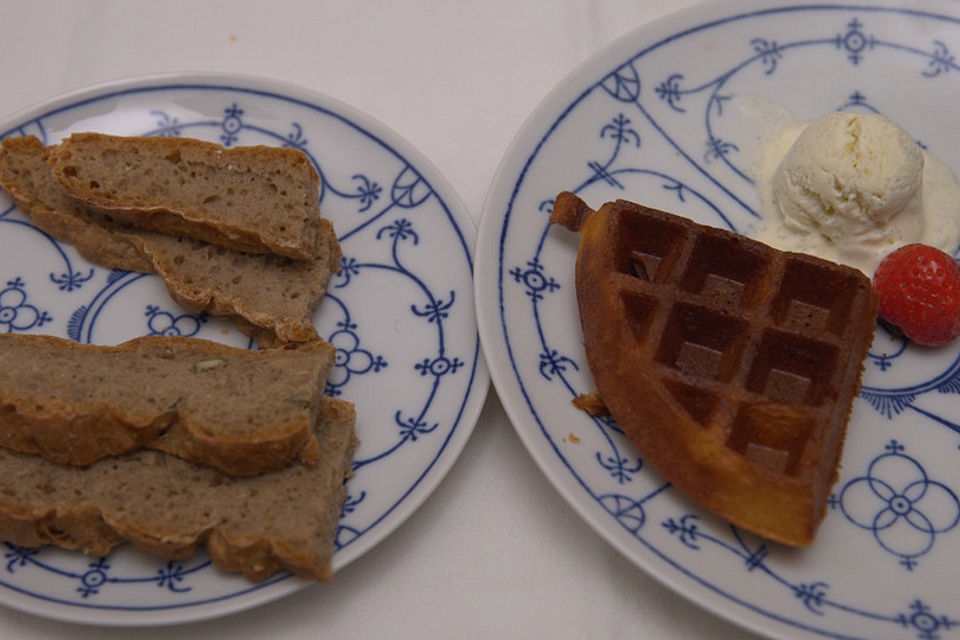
(256,199)
(243,412)
(166,506)
(269,297)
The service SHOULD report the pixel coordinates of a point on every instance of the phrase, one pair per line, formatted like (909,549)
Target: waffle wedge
(731,366)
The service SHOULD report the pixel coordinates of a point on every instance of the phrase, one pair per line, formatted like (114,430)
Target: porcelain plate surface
(653,119)
(400,314)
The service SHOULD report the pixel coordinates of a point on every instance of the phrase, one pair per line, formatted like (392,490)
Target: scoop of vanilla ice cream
(848,187)
(847,176)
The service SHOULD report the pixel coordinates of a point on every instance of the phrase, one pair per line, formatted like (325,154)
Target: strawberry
(919,289)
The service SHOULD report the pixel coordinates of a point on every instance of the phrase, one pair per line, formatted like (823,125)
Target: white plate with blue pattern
(400,314)
(651,119)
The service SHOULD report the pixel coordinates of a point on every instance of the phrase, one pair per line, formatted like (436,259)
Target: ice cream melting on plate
(851,188)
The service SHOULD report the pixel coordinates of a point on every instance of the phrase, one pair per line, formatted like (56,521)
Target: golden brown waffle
(732,366)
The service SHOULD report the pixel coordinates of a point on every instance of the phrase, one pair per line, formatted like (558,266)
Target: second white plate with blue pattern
(651,119)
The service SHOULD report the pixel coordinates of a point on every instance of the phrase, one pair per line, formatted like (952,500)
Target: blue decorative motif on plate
(904,508)
(16,314)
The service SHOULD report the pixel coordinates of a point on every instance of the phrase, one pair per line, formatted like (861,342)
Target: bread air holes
(55,533)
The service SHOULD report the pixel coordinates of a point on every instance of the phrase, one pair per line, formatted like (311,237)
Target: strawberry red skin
(919,290)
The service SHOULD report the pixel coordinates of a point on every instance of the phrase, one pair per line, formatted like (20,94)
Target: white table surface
(495,552)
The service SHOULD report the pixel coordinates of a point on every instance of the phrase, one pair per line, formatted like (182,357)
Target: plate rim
(467,414)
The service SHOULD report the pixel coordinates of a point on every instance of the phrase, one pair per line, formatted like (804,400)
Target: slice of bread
(167,506)
(25,176)
(242,412)
(255,199)
(267,296)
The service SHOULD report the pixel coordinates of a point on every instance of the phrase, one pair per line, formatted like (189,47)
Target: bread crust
(79,527)
(88,509)
(167,400)
(272,320)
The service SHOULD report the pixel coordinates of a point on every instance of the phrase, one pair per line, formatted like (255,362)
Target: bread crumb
(573,439)
(206,365)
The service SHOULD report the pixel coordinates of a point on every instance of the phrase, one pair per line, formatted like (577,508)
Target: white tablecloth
(495,552)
